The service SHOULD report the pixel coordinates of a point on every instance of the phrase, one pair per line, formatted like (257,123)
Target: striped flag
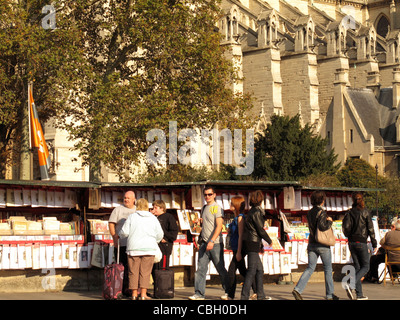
(37,137)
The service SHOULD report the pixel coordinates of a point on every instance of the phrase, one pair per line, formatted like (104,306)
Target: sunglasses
(208,194)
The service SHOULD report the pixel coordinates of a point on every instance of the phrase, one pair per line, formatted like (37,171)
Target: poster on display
(94,201)
(3,200)
(49,256)
(183,218)
(42,256)
(42,198)
(21,256)
(294,258)
(82,252)
(34,198)
(289,198)
(90,253)
(302,252)
(337,252)
(5,257)
(64,255)
(111,257)
(265,263)
(277,267)
(28,255)
(186,254)
(57,255)
(51,199)
(344,252)
(285,263)
(13,256)
(35,256)
(271,267)
(18,198)
(197,197)
(73,257)
(98,256)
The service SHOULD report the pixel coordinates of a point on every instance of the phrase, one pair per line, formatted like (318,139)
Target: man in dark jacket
(357,227)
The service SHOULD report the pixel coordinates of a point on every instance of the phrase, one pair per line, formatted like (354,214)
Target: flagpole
(29,114)
(25,156)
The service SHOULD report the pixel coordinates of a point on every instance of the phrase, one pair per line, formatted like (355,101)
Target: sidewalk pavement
(313,291)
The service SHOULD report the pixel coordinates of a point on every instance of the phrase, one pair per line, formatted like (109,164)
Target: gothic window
(382,27)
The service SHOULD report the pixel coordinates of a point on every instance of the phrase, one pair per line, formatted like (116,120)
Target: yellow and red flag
(37,137)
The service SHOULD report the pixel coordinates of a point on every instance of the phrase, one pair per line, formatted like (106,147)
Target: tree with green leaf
(51,58)
(151,62)
(286,151)
(358,173)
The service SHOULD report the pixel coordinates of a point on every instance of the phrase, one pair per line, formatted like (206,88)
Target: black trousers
(166,249)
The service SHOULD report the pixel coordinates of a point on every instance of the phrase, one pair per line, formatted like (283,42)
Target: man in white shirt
(116,221)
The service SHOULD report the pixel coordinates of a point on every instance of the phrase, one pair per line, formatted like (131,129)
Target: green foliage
(151,62)
(51,59)
(358,173)
(110,73)
(285,151)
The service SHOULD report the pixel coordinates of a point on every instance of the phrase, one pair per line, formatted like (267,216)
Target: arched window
(382,27)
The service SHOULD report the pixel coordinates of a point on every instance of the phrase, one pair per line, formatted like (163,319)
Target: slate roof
(378,117)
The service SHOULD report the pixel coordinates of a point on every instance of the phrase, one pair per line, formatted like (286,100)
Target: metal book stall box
(53,224)
(41,225)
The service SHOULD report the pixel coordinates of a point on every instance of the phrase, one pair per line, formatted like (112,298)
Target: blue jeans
(316,250)
(216,255)
(254,270)
(360,256)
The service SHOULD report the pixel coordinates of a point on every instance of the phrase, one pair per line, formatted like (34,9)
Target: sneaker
(225,297)
(297,295)
(253,296)
(334,297)
(349,293)
(196,297)
(362,298)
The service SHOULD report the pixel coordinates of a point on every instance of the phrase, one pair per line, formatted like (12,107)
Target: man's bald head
(129,199)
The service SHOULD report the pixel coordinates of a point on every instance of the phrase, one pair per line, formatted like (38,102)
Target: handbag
(324,237)
(158,255)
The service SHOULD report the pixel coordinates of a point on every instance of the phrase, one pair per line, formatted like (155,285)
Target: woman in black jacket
(317,218)
(357,227)
(170,229)
(252,242)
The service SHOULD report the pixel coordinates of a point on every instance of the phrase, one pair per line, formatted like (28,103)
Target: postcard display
(47,243)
